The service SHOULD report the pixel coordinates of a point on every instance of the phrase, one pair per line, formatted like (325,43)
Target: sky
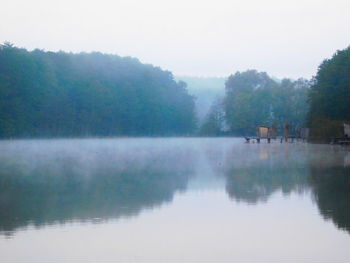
(187,37)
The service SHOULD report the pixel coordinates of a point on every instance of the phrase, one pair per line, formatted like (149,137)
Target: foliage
(46,94)
(324,129)
(253,99)
(329,96)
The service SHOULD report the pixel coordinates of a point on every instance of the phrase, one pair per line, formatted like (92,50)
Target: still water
(173,200)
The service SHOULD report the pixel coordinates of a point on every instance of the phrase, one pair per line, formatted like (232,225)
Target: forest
(58,94)
(254,98)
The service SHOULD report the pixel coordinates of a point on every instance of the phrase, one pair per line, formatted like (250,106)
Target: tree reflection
(330,181)
(47,186)
(46,183)
(257,171)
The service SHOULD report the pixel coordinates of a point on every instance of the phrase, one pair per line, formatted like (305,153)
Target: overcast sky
(187,37)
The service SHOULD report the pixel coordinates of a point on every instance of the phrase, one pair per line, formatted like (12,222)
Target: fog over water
(173,200)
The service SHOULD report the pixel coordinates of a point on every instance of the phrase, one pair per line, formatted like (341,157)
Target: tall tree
(329,96)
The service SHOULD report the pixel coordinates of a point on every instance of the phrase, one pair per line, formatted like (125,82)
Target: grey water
(157,200)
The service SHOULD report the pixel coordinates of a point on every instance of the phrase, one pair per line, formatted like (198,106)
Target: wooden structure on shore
(270,133)
(264,132)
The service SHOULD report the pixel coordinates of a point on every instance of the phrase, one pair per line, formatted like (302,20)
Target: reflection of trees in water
(330,181)
(98,185)
(255,172)
(45,185)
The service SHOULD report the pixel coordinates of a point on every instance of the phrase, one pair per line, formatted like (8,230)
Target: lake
(164,200)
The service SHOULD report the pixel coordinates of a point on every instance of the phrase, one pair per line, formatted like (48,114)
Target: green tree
(50,94)
(329,96)
(253,99)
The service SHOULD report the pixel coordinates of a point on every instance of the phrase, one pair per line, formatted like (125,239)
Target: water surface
(173,200)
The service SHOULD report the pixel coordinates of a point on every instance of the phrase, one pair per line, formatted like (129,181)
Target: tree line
(253,98)
(59,94)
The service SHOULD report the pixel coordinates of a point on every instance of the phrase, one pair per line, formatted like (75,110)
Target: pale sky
(187,37)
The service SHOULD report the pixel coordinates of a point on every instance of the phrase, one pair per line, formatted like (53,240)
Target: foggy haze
(199,38)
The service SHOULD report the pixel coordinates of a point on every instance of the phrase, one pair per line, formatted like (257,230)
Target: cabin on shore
(264,132)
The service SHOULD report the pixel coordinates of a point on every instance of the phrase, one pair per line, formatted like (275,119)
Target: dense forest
(58,94)
(253,98)
(330,97)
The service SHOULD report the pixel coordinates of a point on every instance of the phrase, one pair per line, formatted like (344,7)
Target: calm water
(173,200)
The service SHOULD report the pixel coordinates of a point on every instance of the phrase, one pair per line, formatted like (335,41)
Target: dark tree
(329,96)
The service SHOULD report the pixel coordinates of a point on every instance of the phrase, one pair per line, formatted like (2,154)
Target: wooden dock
(270,133)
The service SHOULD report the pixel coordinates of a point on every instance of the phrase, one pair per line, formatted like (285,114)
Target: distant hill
(205,89)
